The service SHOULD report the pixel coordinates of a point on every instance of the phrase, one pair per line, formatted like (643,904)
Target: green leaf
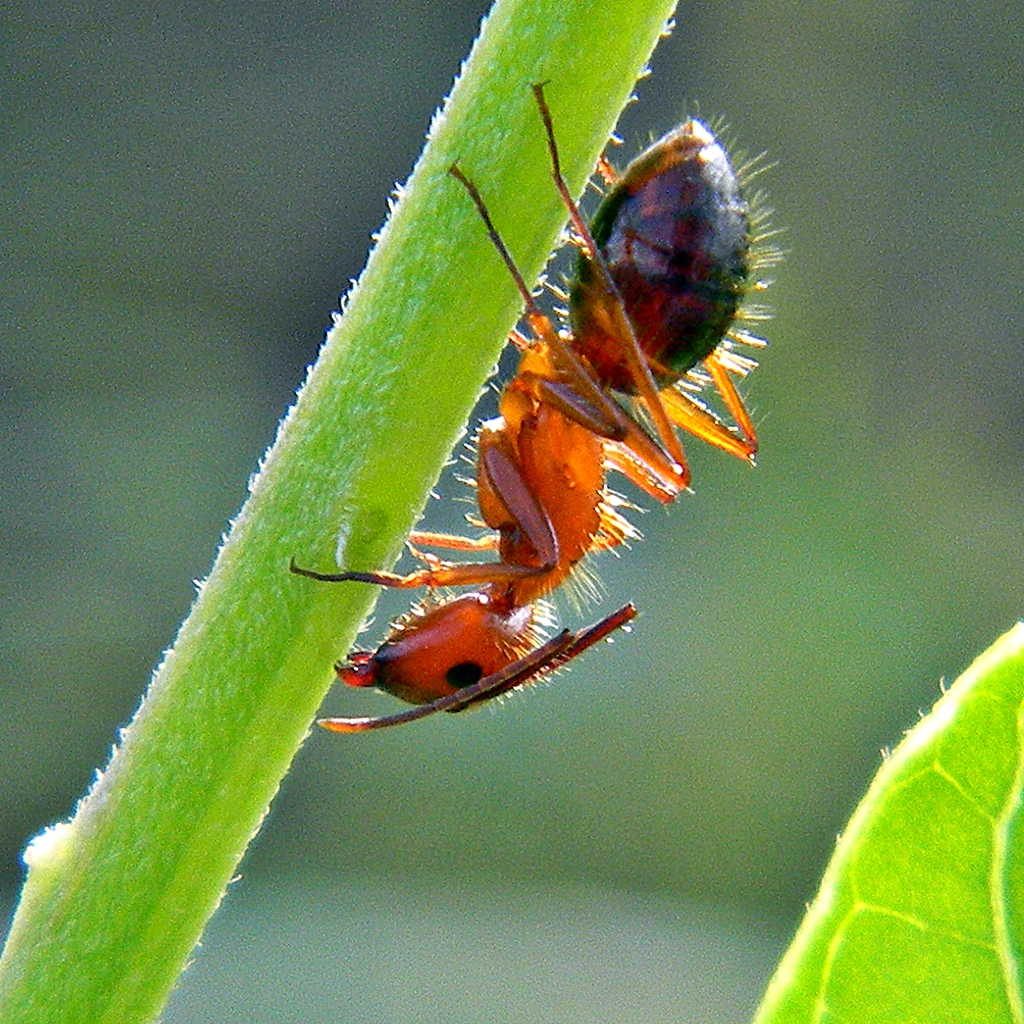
(116,898)
(920,917)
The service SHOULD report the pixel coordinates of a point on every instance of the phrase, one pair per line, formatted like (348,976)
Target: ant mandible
(659,279)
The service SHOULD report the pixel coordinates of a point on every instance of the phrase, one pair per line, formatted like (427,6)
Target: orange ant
(659,279)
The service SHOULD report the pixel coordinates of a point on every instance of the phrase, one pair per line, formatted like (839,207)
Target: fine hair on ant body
(660,274)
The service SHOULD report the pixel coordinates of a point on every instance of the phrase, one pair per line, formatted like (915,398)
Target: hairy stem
(116,898)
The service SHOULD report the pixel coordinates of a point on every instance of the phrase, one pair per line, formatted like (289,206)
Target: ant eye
(466,673)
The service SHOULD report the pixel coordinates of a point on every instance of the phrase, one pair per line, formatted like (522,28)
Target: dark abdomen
(675,233)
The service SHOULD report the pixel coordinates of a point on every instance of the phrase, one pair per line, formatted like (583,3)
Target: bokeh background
(186,191)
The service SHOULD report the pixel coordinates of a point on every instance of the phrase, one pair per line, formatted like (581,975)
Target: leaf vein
(969,797)
(999,887)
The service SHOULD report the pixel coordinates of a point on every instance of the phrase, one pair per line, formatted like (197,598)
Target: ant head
(435,652)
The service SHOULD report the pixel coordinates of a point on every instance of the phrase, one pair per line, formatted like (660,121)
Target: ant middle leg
(452,541)
(509,504)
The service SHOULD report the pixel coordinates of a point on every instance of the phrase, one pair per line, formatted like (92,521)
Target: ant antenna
(531,306)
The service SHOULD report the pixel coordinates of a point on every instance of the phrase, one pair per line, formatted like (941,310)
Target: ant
(660,275)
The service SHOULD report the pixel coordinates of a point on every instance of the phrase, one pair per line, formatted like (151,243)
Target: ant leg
(437,574)
(727,389)
(603,411)
(514,505)
(590,391)
(607,173)
(545,659)
(507,501)
(639,368)
(531,307)
(453,541)
(583,399)
(462,574)
(642,459)
(695,418)
(643,472)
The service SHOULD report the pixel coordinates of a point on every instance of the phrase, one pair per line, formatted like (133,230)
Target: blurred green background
(186,191)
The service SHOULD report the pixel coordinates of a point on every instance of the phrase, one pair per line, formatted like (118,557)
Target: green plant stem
(116,898)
